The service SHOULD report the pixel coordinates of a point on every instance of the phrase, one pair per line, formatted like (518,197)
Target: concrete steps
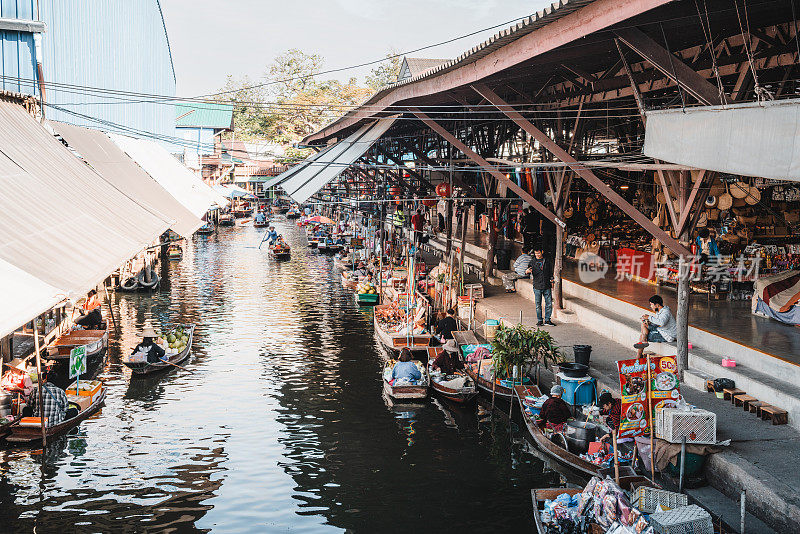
(763,376)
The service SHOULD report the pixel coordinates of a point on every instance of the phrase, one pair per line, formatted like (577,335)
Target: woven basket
(753,196)
(713,214)
(739,189)
(725,201)
(711,201)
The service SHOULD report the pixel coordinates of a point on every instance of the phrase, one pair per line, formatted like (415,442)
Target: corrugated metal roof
(204,115)
(110,161)
(418,65)
(542,18)
(62,222)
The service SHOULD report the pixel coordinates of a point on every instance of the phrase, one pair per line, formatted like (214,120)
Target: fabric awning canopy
(116,167)
(181,183)
(305,179)
(25,297)
(61,222)
(753,139)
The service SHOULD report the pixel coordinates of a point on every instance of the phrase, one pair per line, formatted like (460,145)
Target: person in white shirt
(659,327)
(520,271)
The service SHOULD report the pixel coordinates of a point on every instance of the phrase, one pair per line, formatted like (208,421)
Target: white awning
(117,168)
(60,221)
(305,179)
(181,183)
(25,297)
(753,139)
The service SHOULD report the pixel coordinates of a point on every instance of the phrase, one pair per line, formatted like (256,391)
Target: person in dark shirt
(149,347)
(541,271)
(445,327)
(448,361)
(610,407)
(555,411)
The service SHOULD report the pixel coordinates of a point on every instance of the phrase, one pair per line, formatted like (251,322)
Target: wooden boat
(30,431)
(280,253)
(409,392)
(175,252)
(538,496)
(293,214)
(226,220)
(322,246)
(207,229)
(96,341)
(550,448)
(366,299)
(143,368)
(279,210)
(347,280)
(398,342)
(260,224)
(466,337)
(241,213)
(461,395)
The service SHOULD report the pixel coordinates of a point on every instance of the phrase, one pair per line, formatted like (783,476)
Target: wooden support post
(490,255)
(558,263)
(40,381)
(465,207)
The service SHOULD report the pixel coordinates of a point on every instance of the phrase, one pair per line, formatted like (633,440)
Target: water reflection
(279,426)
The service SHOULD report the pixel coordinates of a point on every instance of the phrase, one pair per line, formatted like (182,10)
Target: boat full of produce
(177,345)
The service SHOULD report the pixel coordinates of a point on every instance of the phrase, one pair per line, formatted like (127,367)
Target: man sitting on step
(659,327)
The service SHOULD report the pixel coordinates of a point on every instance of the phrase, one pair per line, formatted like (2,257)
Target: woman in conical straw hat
(148,347)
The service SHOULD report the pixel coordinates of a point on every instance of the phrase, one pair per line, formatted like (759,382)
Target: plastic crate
(648,499)
(684,520)
(698,426)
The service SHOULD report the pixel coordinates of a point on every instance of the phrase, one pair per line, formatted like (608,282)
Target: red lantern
(443,190)
(395,191)
(429,202)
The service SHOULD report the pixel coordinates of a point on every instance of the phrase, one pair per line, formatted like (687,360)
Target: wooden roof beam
(670,66)
(581,171)
(485,165)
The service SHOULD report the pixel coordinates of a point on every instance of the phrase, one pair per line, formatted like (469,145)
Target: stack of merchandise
(602,502)
(366,287)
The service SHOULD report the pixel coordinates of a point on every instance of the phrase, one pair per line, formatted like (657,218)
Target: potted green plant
(523,348)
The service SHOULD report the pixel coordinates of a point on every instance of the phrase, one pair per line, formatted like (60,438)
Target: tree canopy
(292,100)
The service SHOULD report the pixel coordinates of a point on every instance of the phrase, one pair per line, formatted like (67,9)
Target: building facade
(100,61)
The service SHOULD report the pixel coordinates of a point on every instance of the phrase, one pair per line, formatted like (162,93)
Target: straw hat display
(717,189)
(739,189)
(713,214)
(753,196)
(725,201)
(711,201)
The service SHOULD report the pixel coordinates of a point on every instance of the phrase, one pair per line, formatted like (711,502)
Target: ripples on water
(280,425)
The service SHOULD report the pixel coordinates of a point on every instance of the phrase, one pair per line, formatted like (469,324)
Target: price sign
(77,361)
(635,418)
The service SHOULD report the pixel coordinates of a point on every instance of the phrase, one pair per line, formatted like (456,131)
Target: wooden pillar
(682,313)
(558,263)
(489,268)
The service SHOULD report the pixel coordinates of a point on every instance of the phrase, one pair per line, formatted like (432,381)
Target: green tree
(386,72)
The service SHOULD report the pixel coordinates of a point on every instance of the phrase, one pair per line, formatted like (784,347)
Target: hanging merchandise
(443,190)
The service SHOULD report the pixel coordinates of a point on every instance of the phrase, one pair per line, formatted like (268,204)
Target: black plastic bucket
(582,354)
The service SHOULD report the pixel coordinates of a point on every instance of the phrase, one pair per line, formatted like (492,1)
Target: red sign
(664,392)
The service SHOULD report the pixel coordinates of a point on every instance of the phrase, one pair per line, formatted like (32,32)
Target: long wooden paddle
(178,366)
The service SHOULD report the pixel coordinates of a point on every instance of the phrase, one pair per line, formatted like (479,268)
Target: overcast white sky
(211,39)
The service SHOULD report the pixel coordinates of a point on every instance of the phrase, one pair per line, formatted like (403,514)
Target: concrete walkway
(762,459)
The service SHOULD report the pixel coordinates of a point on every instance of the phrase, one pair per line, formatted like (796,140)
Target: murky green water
(279,427)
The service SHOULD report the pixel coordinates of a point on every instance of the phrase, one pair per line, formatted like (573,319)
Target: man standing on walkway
(541,271)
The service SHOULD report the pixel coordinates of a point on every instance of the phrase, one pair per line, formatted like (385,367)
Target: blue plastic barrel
(579,391)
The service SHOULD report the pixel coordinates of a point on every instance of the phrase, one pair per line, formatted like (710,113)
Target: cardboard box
(81,400)
(89,388)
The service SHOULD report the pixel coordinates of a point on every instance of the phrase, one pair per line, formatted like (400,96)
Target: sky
(210,40)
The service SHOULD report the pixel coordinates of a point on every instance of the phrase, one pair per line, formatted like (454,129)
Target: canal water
(277,425)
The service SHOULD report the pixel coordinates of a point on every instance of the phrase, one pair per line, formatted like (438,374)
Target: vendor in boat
(91,317)
(16,379)
(446,326)
(361,270)
(272,235)
(341,240)
(54,400)
(610,407)
(149,347)
(555,411)
(260,218)
(405,368)
(448,361)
